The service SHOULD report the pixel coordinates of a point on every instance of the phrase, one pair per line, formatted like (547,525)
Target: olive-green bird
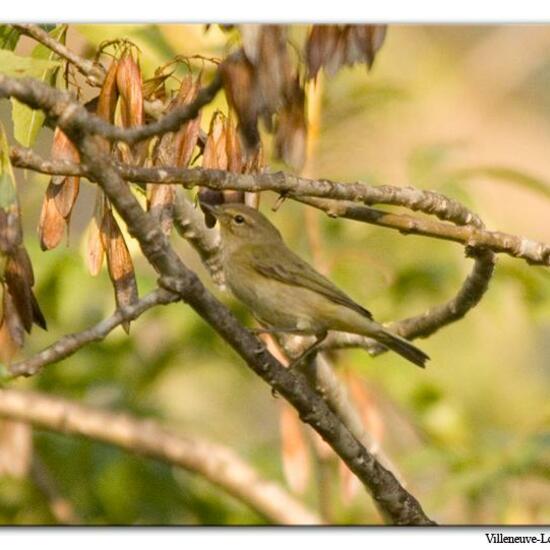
(285,292)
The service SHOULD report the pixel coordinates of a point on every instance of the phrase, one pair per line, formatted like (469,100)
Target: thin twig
(94,72)
(71,343)
(215,463)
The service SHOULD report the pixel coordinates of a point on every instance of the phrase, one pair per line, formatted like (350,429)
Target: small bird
(284,292)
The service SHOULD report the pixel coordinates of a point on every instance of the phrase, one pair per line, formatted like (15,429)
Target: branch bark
(215,463)
(466,229)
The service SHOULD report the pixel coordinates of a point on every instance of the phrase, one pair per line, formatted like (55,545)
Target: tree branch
(94,72)
(71,343)
(472,234)
(215,463)
(60,107)
(395,503)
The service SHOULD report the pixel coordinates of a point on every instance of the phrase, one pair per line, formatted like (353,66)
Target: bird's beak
(212,209)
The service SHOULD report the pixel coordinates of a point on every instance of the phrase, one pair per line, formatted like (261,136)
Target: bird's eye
(238,219)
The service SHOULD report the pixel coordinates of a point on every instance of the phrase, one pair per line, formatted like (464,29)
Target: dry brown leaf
(119,262)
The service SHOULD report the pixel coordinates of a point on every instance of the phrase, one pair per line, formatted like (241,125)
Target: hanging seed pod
(60,196)
(96,249)
(332,46)
(52,224)
(108,95)
(241,88)
(129,84)
(185,139)
(291,138)
(119,262)
(214,157)
(19,279)
(235,159)
(12,333)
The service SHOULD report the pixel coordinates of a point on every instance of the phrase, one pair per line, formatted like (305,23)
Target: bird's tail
(402,347)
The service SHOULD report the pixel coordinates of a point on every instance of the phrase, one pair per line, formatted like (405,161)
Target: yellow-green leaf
(9,37)
(18,66)
(26,121)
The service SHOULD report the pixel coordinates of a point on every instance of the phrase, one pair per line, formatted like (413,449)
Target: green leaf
(26,121)
(10,226)
(7,178)
(8,37)
(17,66)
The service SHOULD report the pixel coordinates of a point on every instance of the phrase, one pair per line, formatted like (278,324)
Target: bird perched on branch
(285,292)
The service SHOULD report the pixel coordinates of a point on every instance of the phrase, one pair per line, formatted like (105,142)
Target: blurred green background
(470,434)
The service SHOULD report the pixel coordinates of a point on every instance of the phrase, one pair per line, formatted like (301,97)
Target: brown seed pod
(52,224)
(332,46)
(129,84)
(119,262)
(96,249)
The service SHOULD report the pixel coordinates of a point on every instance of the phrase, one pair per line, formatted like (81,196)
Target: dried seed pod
(129,84)
(96,248)
(241,88)
(60,196)
(52,224)
(108,95)
(19,279)
(185,139)
(11,319)
(215,153)
(214,157)
(155,87)
(274,72)
(332,46)
(12,334)
(233,149)
(63,149)
(291,138)
(119,262)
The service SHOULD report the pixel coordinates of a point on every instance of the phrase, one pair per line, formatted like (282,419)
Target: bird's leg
(308,351)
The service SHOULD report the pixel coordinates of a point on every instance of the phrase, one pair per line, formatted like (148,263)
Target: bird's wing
(292,270)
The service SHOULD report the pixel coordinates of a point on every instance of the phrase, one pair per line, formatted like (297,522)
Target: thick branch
(71,343)
(474,236)
(396,504)
(215,463)
(61,108)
